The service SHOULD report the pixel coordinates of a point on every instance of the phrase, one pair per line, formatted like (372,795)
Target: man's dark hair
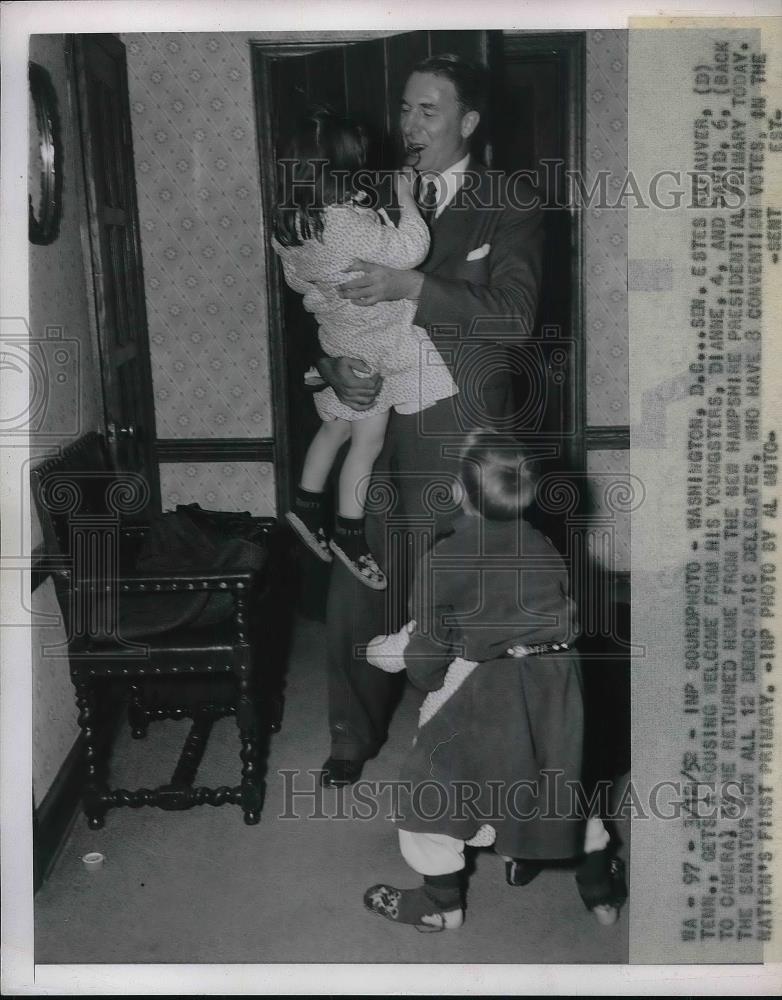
(470,79)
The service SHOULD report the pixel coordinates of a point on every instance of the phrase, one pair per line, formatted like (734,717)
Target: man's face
(432,126)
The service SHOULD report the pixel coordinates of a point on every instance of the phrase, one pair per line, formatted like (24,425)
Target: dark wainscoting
(608,438)
(53,819)
(215,450)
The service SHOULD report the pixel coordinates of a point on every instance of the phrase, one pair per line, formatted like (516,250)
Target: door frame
(261,56)
(90,242)
(570,48)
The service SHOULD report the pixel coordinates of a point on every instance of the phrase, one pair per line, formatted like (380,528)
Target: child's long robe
(488,586)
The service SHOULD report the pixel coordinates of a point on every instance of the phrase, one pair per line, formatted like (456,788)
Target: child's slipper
(412,906)
(315,541)
(365,569)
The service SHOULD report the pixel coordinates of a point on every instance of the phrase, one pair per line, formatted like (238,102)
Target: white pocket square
(479,252)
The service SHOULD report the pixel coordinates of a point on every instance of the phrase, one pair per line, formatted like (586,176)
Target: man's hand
(379,283)
(354,391)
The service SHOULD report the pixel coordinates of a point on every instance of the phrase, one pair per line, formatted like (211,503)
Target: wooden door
(537,104)
(366,80)
(537,115)
(115,249)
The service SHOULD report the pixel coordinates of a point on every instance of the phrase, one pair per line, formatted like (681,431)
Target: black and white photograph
(394,478)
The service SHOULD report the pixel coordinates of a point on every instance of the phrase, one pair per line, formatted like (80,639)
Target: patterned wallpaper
(605,230)
(219,485)
(615,495)
(199,209)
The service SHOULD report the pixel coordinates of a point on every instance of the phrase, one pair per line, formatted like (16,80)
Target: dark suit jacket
(494,295)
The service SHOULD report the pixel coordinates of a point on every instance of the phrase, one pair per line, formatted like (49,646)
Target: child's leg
(307,516)
(366,442)
(322,453)
(349,541)
(437,904)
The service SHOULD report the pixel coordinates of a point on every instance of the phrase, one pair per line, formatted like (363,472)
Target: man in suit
(477,294)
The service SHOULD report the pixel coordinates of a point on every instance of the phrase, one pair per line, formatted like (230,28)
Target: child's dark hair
(497,477)
(318,168)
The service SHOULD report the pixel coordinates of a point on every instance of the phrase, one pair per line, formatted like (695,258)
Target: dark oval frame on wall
(44,219)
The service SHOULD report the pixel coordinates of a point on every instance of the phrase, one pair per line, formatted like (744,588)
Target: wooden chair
(171,643)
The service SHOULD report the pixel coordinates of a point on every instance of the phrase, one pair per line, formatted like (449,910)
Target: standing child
(320,226)
(501,729)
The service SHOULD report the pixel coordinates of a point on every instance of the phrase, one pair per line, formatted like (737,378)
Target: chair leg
(138,719)
(252,786)
(95,786)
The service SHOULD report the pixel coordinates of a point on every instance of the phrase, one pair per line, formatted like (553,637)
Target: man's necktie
(427,199)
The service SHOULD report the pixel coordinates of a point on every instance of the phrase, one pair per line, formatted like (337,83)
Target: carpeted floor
(200,886)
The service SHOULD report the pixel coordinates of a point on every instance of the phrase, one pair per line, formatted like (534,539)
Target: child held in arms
(322,223)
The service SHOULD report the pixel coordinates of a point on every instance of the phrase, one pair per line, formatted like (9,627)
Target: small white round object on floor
(93,861)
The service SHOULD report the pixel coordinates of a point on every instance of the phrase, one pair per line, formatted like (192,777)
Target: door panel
(118,284)
(533,105)
(286,79)
(467,44)
(326,77)
(402,54)
(365,94)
